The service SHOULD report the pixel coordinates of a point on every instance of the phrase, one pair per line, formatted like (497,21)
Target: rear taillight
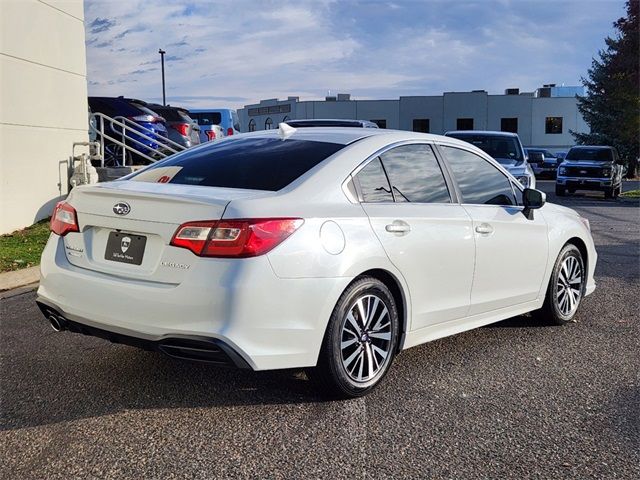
(147,118)
(182,128)
(229,131)
(235,238)
(64,219)
(211,135)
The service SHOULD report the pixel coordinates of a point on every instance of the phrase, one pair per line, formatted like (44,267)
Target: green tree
(612,104)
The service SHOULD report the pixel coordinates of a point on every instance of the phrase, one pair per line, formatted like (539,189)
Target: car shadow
(521,321)
(79,377)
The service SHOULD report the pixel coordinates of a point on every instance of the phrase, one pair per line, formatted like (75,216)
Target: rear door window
(479,182)
(248,163)
(373,183)
(415,175)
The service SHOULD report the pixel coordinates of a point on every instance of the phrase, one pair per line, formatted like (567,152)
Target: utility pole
(164,98)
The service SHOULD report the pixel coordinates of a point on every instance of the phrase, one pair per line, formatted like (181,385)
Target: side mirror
(532,199)
(536,157)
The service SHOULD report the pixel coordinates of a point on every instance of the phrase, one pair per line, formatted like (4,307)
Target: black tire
(552,312)
(331,376)
(608,193)
(560,191)
(572,191)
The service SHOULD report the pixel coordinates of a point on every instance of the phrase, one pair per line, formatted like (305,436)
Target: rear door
(426,236)
(511,249)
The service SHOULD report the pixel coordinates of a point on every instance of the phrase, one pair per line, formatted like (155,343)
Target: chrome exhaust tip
(56,323)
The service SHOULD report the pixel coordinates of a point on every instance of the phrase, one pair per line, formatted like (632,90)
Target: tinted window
(415,175)
(252,163)
(503,148)
(374,185)
(590,154)
(478,180)
(206,118)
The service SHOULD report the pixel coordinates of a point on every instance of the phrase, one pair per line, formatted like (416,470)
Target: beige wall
(43,104)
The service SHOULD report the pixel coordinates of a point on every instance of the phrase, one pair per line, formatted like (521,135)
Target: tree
(611,107)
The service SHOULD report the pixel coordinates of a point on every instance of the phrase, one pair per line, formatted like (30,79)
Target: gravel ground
(512,400)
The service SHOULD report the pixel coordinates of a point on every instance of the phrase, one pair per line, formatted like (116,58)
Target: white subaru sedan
(330,249)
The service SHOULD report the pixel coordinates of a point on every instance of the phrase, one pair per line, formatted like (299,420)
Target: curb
(19,278)
(18,291)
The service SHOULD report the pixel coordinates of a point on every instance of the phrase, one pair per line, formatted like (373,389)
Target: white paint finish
(510,261)
(43,93)
(435,257)
(274,309)
(332,238)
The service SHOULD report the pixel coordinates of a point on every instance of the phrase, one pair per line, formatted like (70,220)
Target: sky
(233,53)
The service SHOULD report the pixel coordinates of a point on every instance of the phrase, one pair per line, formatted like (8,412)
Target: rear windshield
(251,163)
(590,154)
(206,118)
(500,147)
(169,114)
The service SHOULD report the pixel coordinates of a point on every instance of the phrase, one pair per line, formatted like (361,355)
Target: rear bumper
(203,349)
(269,322)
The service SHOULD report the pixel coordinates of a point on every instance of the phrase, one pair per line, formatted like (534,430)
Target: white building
(43,104)
(543,118)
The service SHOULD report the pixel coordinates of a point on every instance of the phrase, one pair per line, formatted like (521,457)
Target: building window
(268,124)
(252,125)
(464,124)
(421,125)
(509,125)
(381,123)
(553,125)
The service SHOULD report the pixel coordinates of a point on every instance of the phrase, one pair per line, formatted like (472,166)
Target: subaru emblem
(121,208)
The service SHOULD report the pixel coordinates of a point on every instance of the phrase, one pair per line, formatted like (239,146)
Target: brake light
(147,118)
(182,128)
(235,238)
(64,219)
(229,131)
(211,135)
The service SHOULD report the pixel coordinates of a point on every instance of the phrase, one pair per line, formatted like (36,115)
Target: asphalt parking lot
(511,400)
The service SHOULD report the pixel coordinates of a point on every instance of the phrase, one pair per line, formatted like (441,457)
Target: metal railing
(126,129)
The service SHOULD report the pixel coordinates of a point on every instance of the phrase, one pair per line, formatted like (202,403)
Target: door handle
(484,229)
(398,226)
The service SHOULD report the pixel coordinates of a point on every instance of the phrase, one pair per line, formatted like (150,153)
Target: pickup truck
(590,168)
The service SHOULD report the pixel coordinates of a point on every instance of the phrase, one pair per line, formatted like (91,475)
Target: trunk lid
(134,243)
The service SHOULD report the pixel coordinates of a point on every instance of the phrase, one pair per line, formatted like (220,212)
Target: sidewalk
(25,279)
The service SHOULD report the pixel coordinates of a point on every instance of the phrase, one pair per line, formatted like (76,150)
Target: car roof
(207,110)
(481,132)
(339,122)
(347,135)
(592,147)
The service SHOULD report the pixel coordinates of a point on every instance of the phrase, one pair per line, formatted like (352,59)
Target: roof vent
(344,97)
(512,91)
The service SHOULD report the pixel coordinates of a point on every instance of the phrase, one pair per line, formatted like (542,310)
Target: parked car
(320,122)
(181,128)
(505,147)
(225,118)
(590,168)
(138,112)
(560,156)
(381,239)
(547,164)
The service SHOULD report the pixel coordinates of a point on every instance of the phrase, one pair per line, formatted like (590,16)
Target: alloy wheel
(569,286)
(366,335)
